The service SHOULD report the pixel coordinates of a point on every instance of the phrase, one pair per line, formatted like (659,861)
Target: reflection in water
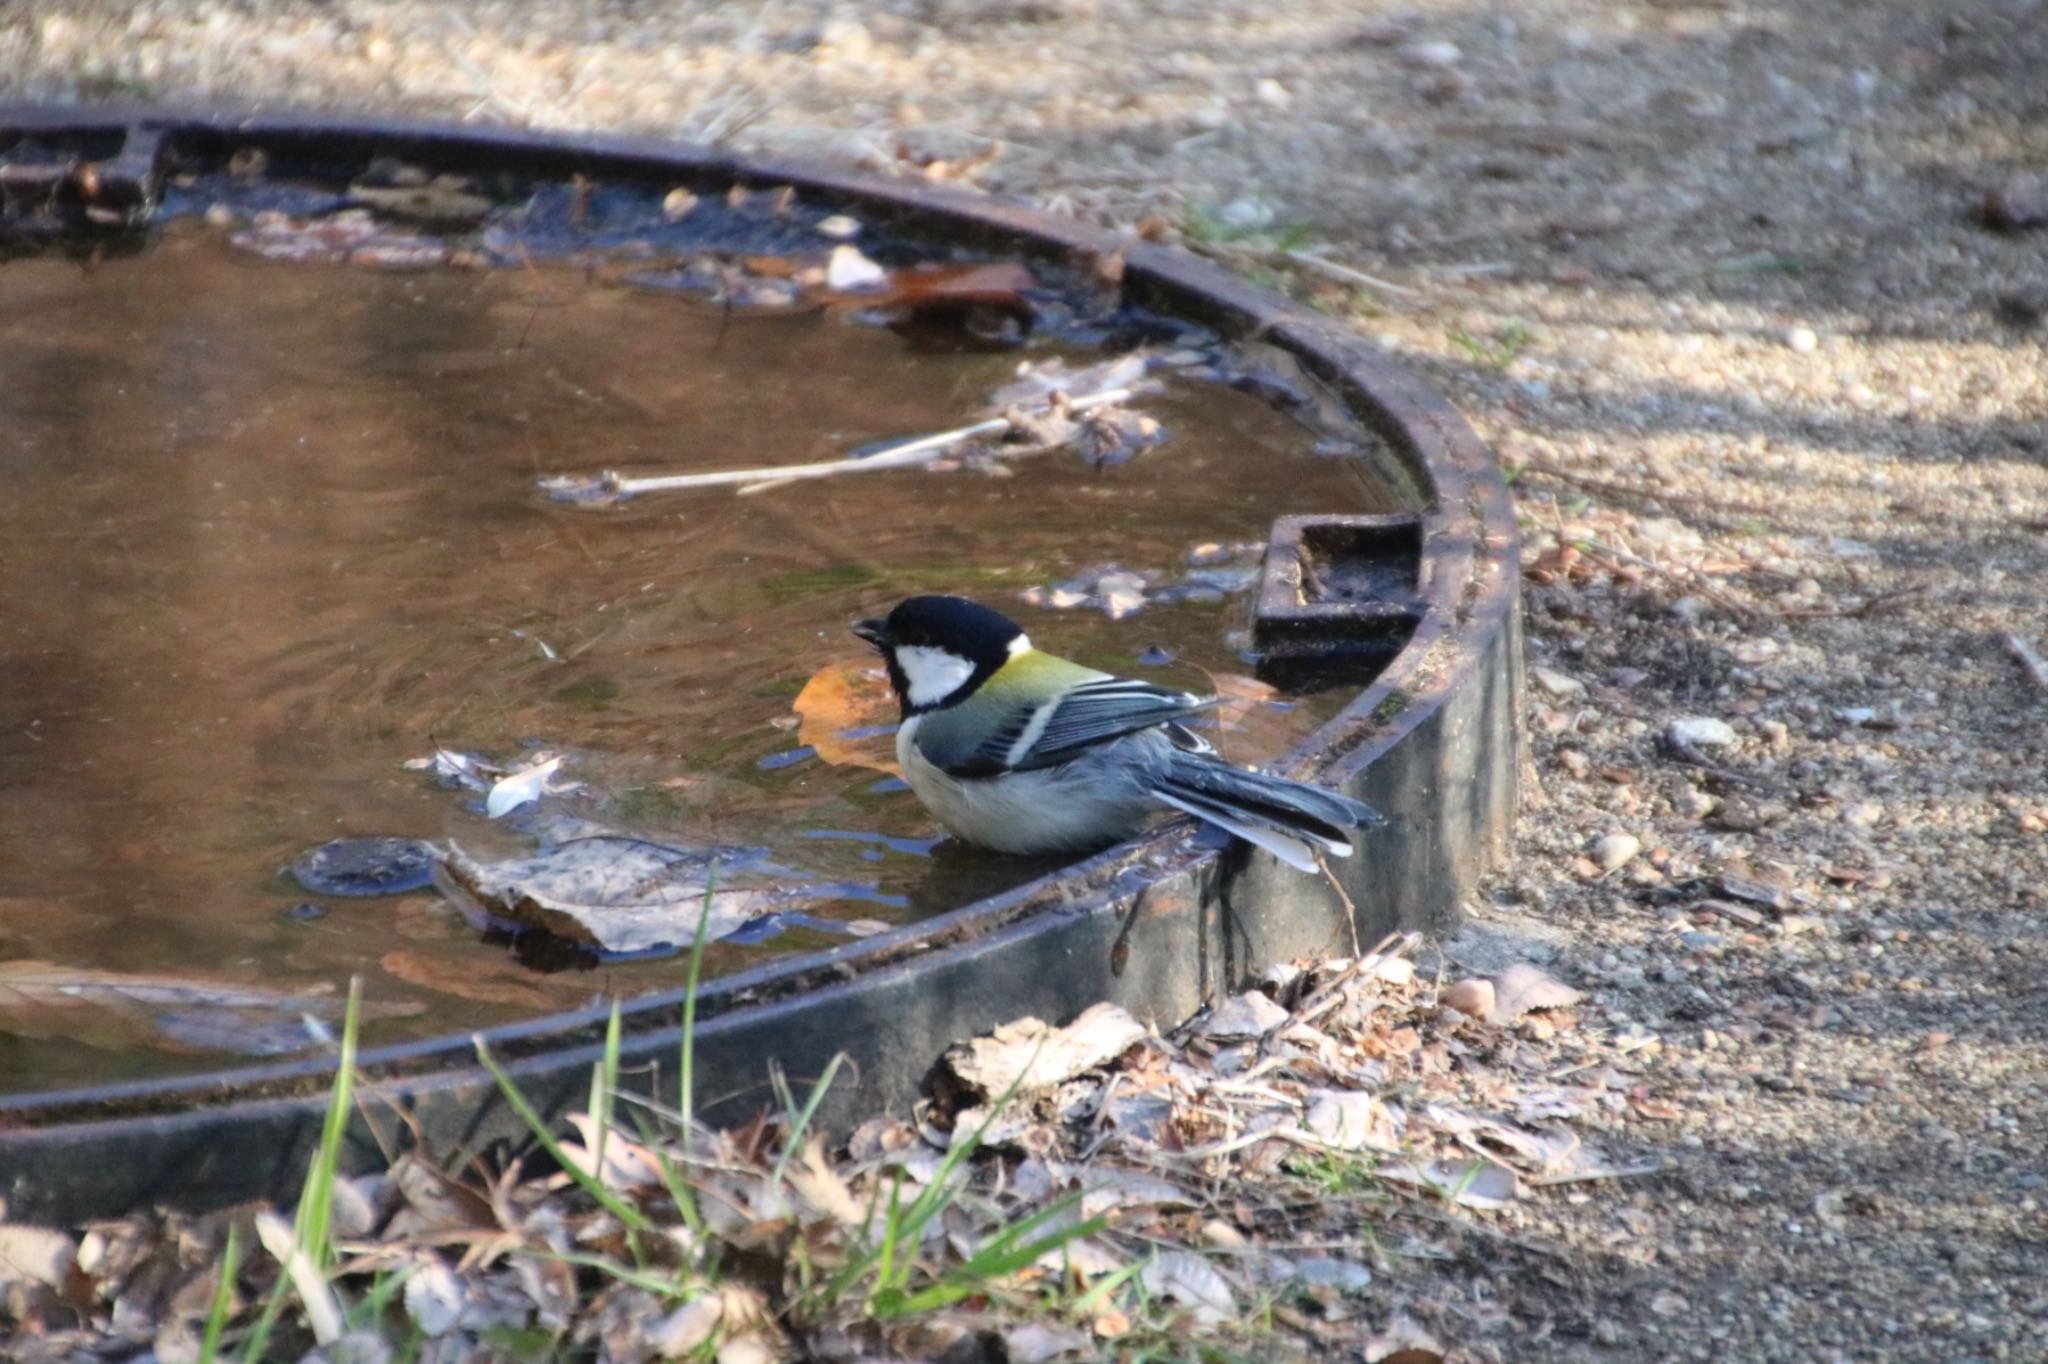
(271,532)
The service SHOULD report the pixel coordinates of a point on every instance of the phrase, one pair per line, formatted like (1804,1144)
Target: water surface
(270,531)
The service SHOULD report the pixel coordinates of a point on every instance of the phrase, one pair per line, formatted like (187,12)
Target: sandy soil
(1715,277)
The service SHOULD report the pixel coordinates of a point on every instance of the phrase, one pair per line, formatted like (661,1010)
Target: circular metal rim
(1432,741)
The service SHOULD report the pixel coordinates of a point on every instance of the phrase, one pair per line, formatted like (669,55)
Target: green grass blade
(604,1084)
(802,1120)
(686,1101)
(258,1343)
(628,1215)
(1102,1289)
(998,1255)
(223,1298)
(1005,1254)
(310,1227)
(665,1287)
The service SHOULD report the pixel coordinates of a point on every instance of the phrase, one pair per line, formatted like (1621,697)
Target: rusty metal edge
(1157,925)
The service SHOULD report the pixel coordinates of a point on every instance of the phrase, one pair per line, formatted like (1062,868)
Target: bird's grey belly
(1094,800)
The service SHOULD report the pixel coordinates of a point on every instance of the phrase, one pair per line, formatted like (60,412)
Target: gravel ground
(1722,280)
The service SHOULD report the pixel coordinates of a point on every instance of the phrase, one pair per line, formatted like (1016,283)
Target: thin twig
(1690,755)
(1613,488)
(1863,610)
(921,450)
(2036,666)
(1345,274)
(1323,865)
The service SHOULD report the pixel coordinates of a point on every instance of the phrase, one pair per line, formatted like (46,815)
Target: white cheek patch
(933,674)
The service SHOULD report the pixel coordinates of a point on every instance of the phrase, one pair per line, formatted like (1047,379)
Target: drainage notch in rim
(1425,604)
(1339,591)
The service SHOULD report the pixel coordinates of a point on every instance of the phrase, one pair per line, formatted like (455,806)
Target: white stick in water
(920,450)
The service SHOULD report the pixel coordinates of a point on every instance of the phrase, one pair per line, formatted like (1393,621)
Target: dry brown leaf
(1477,1183)
(848,697)
(436,1203)
(1404,1342)
(1350,1119)
(823,1188)
(463,980)
(35,1254)
(1474,997)
(1033,1056)
(1522,987)
(627,1164)
(1187,1278)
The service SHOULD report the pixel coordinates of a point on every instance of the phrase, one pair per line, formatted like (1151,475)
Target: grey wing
(1096,712)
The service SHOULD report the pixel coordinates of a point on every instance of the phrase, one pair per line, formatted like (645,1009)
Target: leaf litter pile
(1297,1173)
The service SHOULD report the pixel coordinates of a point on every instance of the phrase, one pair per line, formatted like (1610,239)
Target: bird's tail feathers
(1284,817)
(1293,851)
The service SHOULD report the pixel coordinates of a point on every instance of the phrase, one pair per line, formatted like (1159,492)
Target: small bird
(1025,752)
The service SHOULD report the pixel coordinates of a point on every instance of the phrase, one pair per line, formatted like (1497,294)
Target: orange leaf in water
(464,980)
(842,712)
(942,288)
(999,284)
(772,267)
(1241,695)
(1249,726)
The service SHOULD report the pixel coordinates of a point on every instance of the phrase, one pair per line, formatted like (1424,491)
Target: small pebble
(678,204)
(1614,851)
(2020,204)
(1556,683)
(1430,52)
(1700,731)
(1802,339)
(839,226)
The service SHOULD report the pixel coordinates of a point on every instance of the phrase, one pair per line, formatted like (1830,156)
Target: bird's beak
(875,632)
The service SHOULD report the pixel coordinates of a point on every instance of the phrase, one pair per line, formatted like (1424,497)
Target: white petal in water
(519,788)
(848,270)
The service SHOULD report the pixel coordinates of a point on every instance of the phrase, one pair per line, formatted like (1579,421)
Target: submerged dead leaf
(845,713)
(116,1009)
(445,201)
(463,979)
(615,894)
